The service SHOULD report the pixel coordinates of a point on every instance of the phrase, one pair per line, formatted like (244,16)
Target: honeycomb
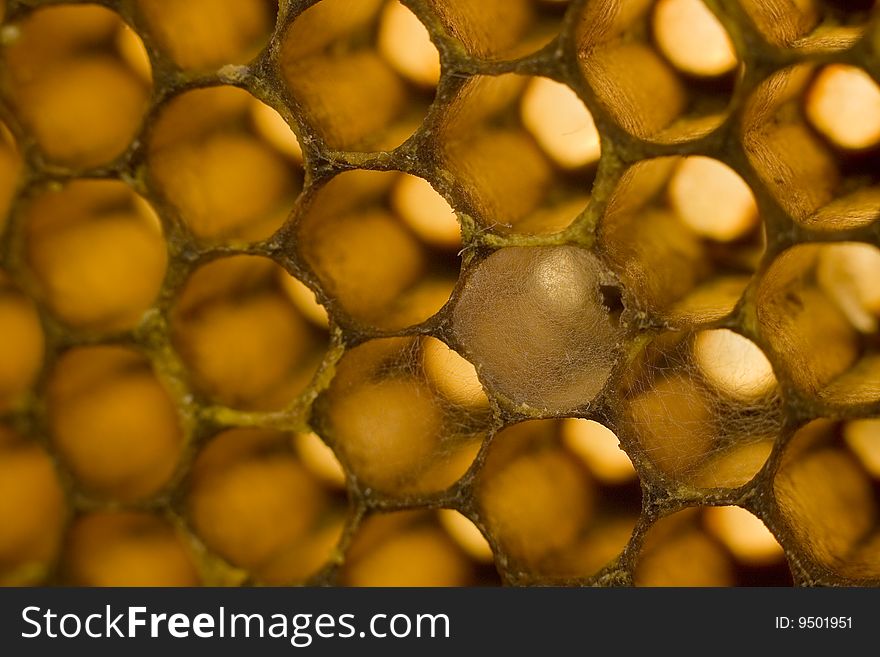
(439,292)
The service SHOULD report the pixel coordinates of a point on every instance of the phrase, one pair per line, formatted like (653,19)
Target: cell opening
(21,350)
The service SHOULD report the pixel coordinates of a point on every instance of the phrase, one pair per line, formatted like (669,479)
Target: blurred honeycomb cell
(843,103)
(71,87)
(654,91)
(549,509)
(829,501)
(220,157)
(700,237)
(97,251)
(113,423)
(507,139)
(252,501)
(32,511)
(407,549)
(712,546)
(21,349)
(358,93)
(396,432)
(120,548)
(206,33)
(243,296)
(382,259)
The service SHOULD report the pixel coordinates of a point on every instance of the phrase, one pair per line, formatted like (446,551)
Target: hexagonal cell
(828,494)
(253,502)
(228,164)
(818,310)
(411,549)
(671,90)
(405,415)
(811,134)
(113,423)
(73,85)
(700,238)
(245,296)
(10,170)
(119,548)
(702,407)
(810,25)
(556,359)
(500,29)
(523,150)
(32,511)
(21,349)
(97,252)
(344,63)
(711,546)
(542,499)
(383,246)
(204,34)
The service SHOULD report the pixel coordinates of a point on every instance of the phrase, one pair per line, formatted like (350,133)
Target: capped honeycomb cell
(252,501)
(535,323)
(507,139)
(118,548)
(714,546)
(73,89)
(544,504)
(382,258)
(206,33)
(97,251)
(32,511)
(113,423)
(405,415)
(358,93)
(700,238)
(656,92)
(21,350)
(226,162)
(828,500)
(243,296)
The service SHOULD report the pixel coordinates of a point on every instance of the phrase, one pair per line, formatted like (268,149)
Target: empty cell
(711,546)
(343,61)
(97,251)
(828,501)
(655,89)
(863,438)
(119,548)
(254,503)
(21,349)
(113,423)
(406,549)
(800,161)
(204,34)
(520,148)
(395,432)
(32,511)
(708,423)
(533,321)
(381,259)
(72,87)
(243,296)
(815,306)
(545,507)
(225,163)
